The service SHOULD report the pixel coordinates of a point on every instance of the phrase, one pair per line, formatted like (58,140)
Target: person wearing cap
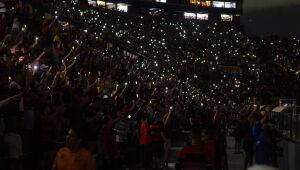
(73,156)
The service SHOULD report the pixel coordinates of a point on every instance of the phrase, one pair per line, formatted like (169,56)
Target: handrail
(288,123)
(282,108)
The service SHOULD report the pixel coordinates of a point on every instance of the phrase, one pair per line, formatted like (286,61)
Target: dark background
(266,17)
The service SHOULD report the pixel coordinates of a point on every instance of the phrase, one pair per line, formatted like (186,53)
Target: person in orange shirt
(74,156)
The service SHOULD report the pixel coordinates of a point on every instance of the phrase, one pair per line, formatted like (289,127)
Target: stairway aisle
(235,161)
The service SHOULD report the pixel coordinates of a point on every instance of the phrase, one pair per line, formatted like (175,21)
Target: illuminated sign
(122,7)
(230,5)
(155,11)
(225,17)
(188,15)
(202,16)
(161,1)
(206,3)
(200,3)
(110,5)
(218,4)
(92,2)
(101,3)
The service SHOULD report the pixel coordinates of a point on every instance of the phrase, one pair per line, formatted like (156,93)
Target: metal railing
(288,121)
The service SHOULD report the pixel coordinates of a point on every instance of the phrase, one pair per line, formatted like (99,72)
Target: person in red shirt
(158,138)
(145,142)
(209,144)
(46,33)
(196,155)
(107,145)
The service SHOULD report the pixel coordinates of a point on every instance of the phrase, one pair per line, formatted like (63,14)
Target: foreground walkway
(235,161)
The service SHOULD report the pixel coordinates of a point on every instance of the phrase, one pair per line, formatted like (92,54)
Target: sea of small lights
(184,50)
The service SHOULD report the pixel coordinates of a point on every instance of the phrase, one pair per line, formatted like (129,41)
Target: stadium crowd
(87,88)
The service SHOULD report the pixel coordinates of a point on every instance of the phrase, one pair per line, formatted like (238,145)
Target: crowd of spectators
(123,86)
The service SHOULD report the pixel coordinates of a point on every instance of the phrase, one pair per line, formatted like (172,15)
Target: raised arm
(92,85)
(55,80)
(167,120)
(36,40)
(52,23)
(122,92)
(6,101)
(13,48)
(71,65)
(39,57)
(72,50)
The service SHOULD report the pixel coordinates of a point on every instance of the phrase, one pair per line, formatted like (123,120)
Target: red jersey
(156,130)
(145,138)
(45,32)
(194,157)
(108,143)
(209,144)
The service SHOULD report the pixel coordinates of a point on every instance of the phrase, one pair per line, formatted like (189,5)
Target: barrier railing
(287,120)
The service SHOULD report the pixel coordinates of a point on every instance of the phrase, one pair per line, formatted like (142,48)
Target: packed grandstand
(110,76)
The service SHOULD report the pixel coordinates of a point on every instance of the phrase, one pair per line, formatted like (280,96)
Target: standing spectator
(47,136)
(107,145)
(210,144)
(13,142)
(220,125)
(46,33)
(196,155)
(158,138)
(145,142)
(237,126)
(93,118)
(122,130)
(168,129)
(257,126)
(248,143)
(188,126)
(265,147)
(74,156)
(56,55)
